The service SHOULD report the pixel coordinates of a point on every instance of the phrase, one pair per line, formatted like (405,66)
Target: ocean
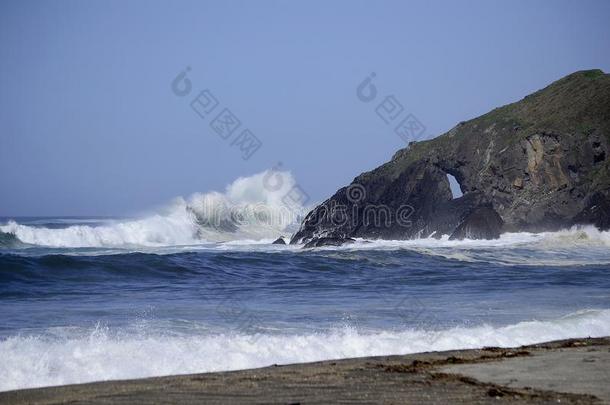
(88,299)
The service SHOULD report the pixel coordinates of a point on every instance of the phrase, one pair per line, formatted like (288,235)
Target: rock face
(480,223)
(596,212)
(540,164)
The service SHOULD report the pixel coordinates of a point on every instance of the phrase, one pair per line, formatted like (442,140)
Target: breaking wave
(73,355)
(255,207)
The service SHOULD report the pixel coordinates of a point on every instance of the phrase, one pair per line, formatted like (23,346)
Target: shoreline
(569,371)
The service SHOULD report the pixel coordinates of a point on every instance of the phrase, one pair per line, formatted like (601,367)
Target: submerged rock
(279,241)
(539,164)
(319,242)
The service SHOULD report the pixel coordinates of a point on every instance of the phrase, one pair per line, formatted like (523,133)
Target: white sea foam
(580,245)
(74,356)
(250,208)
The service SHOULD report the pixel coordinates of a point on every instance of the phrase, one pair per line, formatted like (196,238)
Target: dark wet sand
(569,371)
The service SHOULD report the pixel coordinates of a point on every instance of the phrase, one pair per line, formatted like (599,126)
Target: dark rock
(319,242)
(596,212)
(481,223)
(279,241)
(541,177)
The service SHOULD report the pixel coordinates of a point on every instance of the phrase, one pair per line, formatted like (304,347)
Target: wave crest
(250,208)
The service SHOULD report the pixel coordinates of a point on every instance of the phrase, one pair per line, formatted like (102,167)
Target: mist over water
(198,286)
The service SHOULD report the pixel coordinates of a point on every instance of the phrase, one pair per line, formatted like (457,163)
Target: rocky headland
(539,164)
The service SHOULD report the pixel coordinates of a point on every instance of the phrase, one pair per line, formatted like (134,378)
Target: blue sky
(89,124)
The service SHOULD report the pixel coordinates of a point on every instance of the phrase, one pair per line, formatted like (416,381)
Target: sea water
(88,299)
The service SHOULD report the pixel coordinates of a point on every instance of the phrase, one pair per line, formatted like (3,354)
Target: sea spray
(246,210)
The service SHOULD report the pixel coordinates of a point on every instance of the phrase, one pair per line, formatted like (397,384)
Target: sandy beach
(567,371)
